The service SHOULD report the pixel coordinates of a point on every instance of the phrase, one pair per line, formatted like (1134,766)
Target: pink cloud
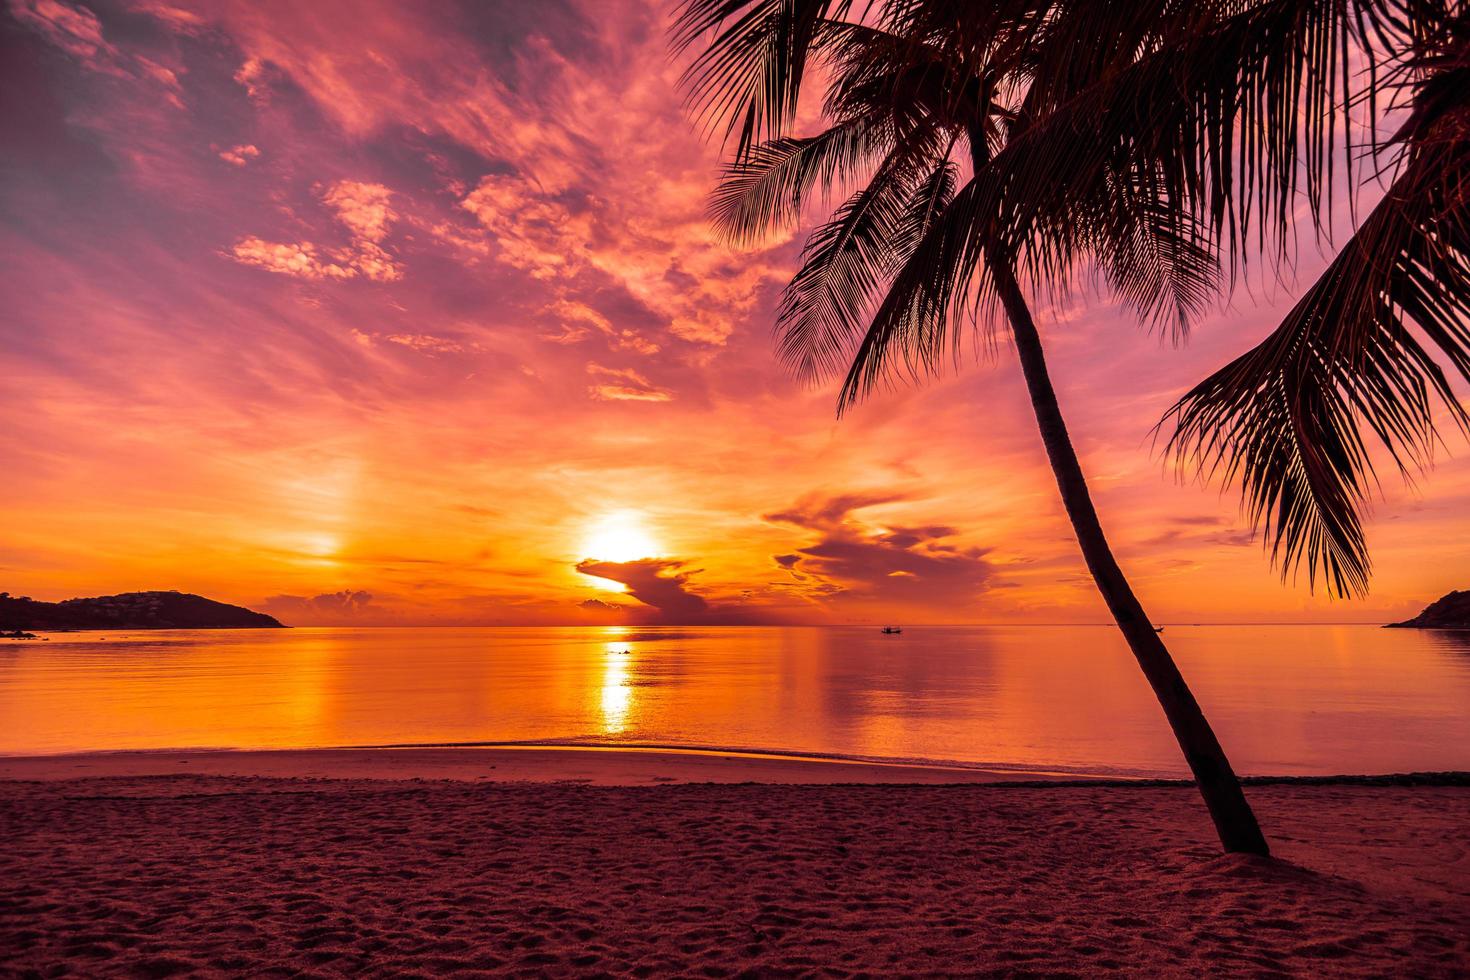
(73,29)
(182,20)
(76,30)
(240,154)
(633,341)
(575,322)
(625,384)
(530,231)
(288,259)
(429,344)
(364,209)
(252,77)
(572,315)
(374,263)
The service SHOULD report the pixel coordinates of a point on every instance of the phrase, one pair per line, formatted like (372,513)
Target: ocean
(1283,699)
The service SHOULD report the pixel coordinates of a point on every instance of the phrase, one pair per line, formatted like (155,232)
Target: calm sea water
(1284,699)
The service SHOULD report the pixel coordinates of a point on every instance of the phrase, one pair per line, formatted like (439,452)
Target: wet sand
(597,766)
(156,875)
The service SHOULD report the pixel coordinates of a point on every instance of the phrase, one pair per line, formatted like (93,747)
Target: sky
(396,314)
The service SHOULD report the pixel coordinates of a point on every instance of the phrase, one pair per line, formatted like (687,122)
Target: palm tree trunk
(1234,820)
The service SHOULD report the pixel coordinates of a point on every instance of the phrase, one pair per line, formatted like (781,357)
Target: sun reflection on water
(617,694)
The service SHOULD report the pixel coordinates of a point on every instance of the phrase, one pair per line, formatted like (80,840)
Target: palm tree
(1147,137)
(1286,419)
(906,94)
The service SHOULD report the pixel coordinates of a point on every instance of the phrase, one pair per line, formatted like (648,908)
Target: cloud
(184,21)
(625,384)
(602,606)
(75,30)
(239,155)
(299,259)
(1193,531)
(364,210)
(576,322)
(430,344)
(532,230)
(328,608)
(374,263)
(560,233)
(663,589)
(252,76)
(656,582)
(633,341)
(855,561)
(814,512)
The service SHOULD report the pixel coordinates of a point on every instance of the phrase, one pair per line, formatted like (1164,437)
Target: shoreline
(607,765)
(510,763)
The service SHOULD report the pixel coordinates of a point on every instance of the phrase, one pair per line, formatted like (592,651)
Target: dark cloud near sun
(601,606)
(855,561)
(850,562)
(662,588)
(659,583)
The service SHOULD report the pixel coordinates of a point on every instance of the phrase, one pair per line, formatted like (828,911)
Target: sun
(619,536)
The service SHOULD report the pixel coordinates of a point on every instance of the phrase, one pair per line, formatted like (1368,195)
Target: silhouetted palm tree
(1142,138)
(1358,350)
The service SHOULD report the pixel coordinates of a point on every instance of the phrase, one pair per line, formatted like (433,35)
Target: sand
(596,766)
(253,873)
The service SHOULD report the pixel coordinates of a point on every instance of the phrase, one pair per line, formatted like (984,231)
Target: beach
(550,861)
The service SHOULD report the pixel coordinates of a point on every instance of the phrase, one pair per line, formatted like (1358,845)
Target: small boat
(893,629)
(1158,629)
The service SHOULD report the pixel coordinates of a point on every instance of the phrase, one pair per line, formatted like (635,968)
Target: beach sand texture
(165,875)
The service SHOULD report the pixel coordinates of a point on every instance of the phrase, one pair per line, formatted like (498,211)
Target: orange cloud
(365,210)
(240,154)
(625,384)
(288,258)
(73,29)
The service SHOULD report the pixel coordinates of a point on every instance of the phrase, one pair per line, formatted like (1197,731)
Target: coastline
(595,765)
(606,765)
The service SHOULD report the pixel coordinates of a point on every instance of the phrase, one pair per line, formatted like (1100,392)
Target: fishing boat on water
(893,629)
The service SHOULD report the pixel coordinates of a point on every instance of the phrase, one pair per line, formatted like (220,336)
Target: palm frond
(767,187)
(1233,117)
(1155,255)
(919,316)
(844,262)
(747,79)
(1287,420)
(1358,352)
(926,203)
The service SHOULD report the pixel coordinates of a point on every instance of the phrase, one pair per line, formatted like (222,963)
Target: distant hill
(1451,611)
(130,610)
